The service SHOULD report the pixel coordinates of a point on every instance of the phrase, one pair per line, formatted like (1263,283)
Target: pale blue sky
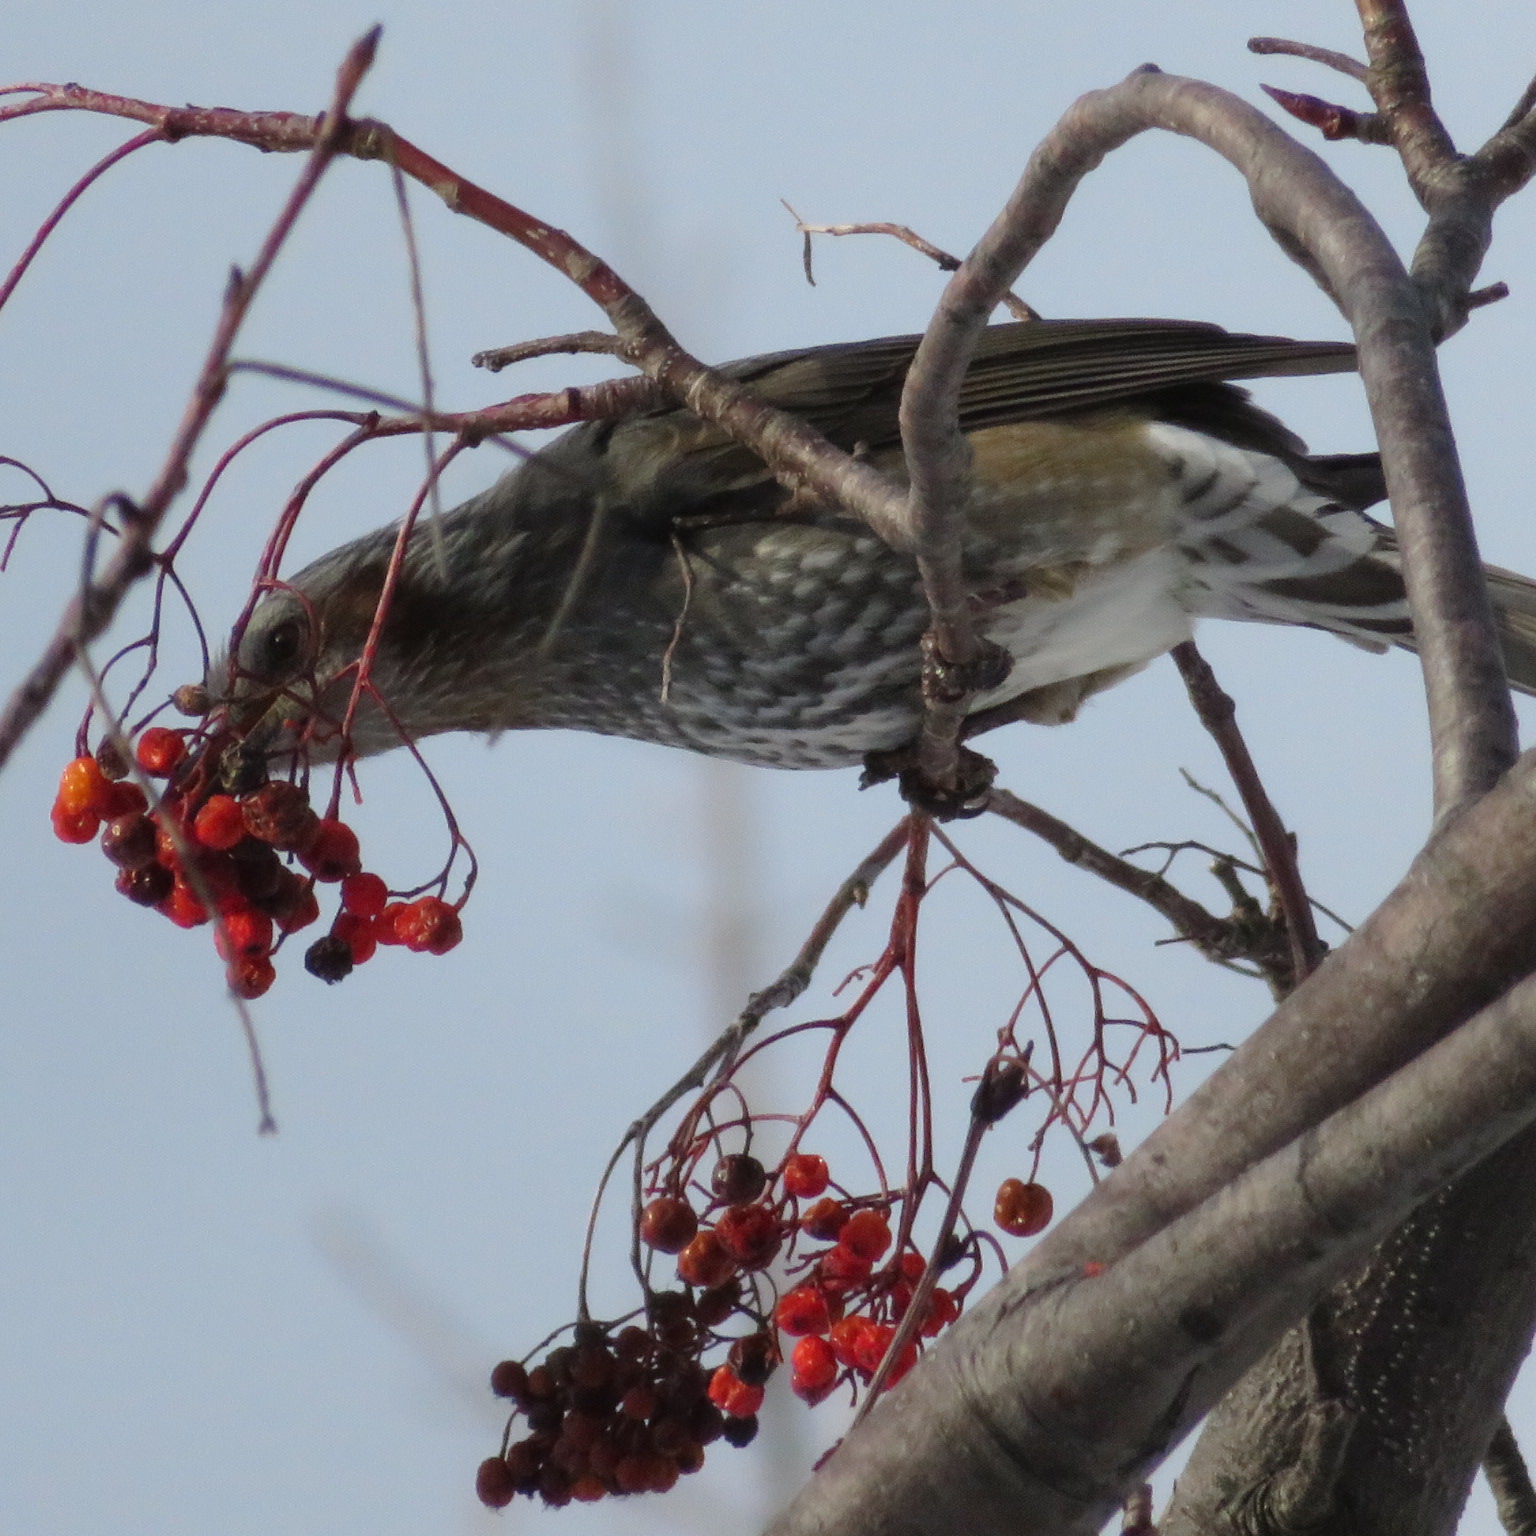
(210,1333)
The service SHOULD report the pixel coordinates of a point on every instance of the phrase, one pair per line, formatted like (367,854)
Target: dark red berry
(1022,1209)
(148,886)
(738,1179)
(509,1379)
(825,1220)
(668,1224)
(130,841)
(364,894)
(718,1303)
(754,1358)
(494,1485)
(280,813)
(357,934)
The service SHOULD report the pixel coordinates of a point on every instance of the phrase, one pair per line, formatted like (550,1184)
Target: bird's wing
(1027,370)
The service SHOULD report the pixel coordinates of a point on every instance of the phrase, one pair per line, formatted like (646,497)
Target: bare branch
(578,341)
(1325,56)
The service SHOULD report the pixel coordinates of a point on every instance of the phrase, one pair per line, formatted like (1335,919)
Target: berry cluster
(627,1413)
(212,850)
(631,1413)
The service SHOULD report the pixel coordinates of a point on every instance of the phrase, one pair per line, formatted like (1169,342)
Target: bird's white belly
(1117,616)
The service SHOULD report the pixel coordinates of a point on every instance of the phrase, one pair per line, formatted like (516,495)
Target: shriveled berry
(803,1310)
(75,826)
(259,872)
(754,1358)
(813,1369)
(668,1224)
(805,1176)
(357,933)
(220,823)
(387,927)
(509,1379)
(867,1235)
(280,813)
(740,1432)
(705,1262)
(732,1396)
(160,749)
(192,699)
(82,787)
(332,853)
(329,959)
(825,1220)
(429,925)
(364,894)
(494,1485)
(241,769)
(1022,1209)
(249,976)
(148,886)
(673,1323)
(738,1179)
(750,1234)
(110,759)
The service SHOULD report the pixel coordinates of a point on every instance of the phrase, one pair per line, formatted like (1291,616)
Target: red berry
(813,1369)
(160,749)
(332,853)
(750,1234)
(732,1396)
(844,1337)
(803,1311)
(387,928)
(738,1179)
(429,925)
(668,1224)
(805,1175)
(358,935)
(866,1235)
(183,906)
(220,823)
(912,1266)
(247,935)
(1022,1209)
(943,1309)
(494,1486)
(870,1346)
(250,976)
(364,894)
(824,1220)
(839,1271)
(75,826)
(295,905)
(705,1262)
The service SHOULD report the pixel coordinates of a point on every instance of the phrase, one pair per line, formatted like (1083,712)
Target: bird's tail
(1514,611)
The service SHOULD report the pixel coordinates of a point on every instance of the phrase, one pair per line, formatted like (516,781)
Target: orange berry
(732,1396)
(1022,1209)
(82,787)
(75,826)
(813,1369)
(867,1235)
(824,1220)
(803,1310)
(220,823)
(160,749)
(943,1309)
(247,935)
(805,1176)
(183,907)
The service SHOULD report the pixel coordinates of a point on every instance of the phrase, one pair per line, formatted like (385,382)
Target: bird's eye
(274,654)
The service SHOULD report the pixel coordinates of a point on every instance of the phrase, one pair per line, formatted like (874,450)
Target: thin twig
(1218,715)
(498,358)
(1325,56)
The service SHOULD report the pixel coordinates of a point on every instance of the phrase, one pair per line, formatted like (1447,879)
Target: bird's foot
(967,796)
